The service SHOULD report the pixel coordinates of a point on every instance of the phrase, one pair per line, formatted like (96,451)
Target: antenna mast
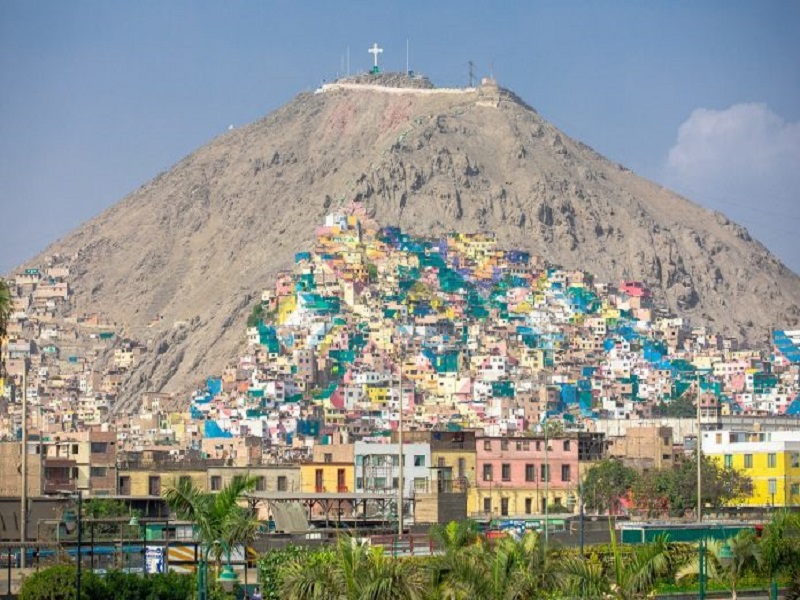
(471,73)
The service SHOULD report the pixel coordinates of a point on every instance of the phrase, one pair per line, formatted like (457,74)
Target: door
(341,486)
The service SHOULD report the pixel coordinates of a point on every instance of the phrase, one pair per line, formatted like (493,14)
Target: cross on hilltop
(375,51)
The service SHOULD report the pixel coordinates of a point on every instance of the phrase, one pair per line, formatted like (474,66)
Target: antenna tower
(471,73)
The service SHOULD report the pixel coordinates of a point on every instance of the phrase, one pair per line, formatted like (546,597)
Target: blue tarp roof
(213,430)
(794,408)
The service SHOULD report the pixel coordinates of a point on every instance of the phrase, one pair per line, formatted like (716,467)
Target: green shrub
(58,583)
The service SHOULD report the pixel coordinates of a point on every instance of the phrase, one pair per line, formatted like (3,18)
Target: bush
(58,583)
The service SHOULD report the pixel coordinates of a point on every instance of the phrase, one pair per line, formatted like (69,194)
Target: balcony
(55,485)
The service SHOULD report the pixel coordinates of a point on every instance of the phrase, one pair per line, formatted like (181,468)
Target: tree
(220,521)
(628,576)
(5,313)
(103,509)
(605,483)
(455,536)
(780,547)
(675,489)
(513,568)
(745,554)
(354,570)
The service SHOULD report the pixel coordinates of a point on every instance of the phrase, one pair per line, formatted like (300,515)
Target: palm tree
(354,571)
(626,577)
(219,519)
(743,553)
(454,536)
(513,569)
(779,546)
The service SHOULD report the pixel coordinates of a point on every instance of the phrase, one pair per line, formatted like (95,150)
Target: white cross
(375,51)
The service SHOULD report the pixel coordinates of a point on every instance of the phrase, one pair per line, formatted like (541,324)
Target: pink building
(512,475)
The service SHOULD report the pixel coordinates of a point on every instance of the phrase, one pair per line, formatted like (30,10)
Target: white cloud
(745,162)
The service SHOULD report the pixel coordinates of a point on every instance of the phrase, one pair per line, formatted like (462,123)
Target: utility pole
(699,461)
(471,73)
(23,508)
(546,485)
(400,452)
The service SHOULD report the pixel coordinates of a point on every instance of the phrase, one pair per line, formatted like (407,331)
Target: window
(395,483)
(319,480)
(503,445)
(97,472)
(74,448)
(728,461)
(184,480)
(566,445)
(462,467)
(748,461)
(359,483)
(545,473)
(216,483)
(773,488)
(528,505)
(487,505)
(504,507)
(261,485)
(487,472)
(530,472)
(505,472)
(565,473)
(795,489)
(99,447)
(419,460)
(154,485)
(795,460)
(538,445)
(440,462)
(359,460)
(420,484)
(327,457)
(487,445)
(772,460)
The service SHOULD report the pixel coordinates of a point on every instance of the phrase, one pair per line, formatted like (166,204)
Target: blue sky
(96,98)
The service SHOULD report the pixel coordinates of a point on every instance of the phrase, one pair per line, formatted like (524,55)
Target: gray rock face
(198,243)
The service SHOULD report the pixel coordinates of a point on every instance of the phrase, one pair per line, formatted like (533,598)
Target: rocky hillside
(194,247)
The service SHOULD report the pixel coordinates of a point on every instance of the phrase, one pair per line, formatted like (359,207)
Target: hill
(180,261)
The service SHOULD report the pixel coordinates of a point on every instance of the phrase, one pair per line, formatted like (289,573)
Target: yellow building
(331,470)
(770,459)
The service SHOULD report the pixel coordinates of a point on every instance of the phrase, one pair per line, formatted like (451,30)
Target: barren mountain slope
(198,243)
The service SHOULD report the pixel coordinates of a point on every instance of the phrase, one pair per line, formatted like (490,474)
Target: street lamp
(227,578)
